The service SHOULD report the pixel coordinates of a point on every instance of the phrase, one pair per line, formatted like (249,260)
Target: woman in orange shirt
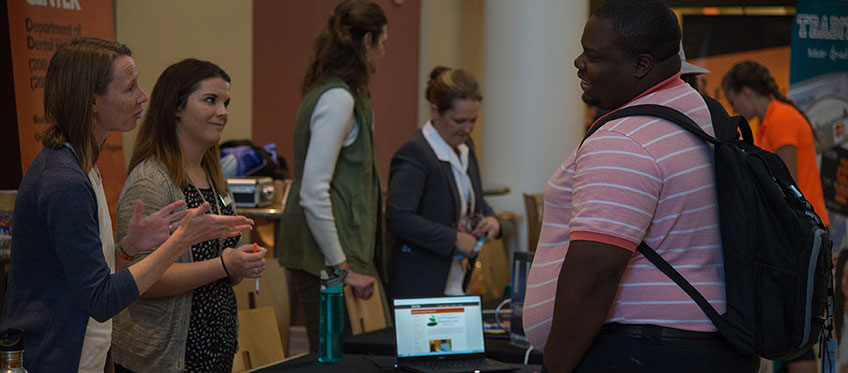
(784,130)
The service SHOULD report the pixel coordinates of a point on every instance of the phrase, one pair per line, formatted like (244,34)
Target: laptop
(442,335)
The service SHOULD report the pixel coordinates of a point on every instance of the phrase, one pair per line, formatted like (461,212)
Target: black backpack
(777,252)
(257,160)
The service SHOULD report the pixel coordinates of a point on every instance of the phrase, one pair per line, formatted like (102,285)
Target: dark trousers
(652,348)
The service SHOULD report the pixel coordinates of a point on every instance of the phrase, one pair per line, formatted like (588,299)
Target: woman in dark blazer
(435,207)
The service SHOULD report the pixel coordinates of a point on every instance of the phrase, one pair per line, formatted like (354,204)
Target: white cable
(527,354)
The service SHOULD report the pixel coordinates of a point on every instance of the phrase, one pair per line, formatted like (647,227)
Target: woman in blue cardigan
(435,207)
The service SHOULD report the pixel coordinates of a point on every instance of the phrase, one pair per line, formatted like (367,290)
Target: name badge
(226,200)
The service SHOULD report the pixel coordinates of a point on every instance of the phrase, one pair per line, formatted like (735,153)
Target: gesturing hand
(151,231)
(209,226)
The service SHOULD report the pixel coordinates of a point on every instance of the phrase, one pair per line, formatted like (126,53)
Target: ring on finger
(171,227)
(227,231)
(256,271)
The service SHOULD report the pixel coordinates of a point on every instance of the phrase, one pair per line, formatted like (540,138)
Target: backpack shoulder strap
(678,279)
(686,123)
(727,128)
(653,110)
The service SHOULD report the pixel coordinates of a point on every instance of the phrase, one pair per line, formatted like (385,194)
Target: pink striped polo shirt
(637,178)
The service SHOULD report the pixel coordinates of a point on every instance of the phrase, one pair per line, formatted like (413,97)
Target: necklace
(215,199)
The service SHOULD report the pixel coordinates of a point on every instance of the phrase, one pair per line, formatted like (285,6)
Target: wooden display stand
(273,293)
(365,315)
(259,340)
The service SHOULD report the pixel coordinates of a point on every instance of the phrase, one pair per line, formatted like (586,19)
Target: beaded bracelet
(225,266)
(123,254)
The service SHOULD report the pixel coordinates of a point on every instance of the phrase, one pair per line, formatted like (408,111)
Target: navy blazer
(422,212)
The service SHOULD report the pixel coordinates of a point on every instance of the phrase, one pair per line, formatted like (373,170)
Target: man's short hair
(643,26)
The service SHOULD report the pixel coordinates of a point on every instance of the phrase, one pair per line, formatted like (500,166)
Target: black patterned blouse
(213,326)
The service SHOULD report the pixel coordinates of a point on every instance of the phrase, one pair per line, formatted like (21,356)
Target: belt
(649,331)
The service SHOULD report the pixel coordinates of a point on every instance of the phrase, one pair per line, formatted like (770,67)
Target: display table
(382,343)
(272,213)
(354,363)
(263,215)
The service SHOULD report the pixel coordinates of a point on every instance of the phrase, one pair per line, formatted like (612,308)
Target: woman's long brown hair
(157,136)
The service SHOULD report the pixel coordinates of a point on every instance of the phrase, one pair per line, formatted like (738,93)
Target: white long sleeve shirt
(332,127)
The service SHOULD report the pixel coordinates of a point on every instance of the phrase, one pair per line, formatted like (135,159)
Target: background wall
(265,46)
(161,32)
(282,41)
(535,117)
(521,52)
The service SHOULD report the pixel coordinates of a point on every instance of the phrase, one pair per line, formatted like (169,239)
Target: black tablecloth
(355,363)
(382,343)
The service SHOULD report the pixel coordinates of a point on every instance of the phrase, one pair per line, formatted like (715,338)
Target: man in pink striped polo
(593,303)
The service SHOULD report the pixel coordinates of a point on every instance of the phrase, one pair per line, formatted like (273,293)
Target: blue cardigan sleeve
(67,204)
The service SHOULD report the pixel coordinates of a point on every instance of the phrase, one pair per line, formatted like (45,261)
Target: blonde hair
(447,85)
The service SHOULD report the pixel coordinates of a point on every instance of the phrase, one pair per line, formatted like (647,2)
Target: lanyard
(215,198)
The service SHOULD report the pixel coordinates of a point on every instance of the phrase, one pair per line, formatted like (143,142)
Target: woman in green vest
(333,216)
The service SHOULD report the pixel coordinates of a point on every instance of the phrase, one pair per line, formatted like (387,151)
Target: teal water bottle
(331,324)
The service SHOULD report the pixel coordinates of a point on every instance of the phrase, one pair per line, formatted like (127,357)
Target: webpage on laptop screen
(438,326)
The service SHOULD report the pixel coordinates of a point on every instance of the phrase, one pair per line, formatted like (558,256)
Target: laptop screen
(438,326)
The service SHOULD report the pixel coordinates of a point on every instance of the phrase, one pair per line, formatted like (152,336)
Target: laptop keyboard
(442,364)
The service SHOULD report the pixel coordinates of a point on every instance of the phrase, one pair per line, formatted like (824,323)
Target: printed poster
(36,27)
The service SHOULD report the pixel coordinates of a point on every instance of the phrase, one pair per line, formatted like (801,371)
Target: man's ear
(644,63)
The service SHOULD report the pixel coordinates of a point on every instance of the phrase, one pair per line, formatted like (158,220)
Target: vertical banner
(818,74)
(36,28)
(818,83)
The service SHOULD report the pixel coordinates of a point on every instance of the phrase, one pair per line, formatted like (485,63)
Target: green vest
(354,195)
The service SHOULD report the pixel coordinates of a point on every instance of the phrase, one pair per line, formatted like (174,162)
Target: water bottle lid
(12,340)
(333,284)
